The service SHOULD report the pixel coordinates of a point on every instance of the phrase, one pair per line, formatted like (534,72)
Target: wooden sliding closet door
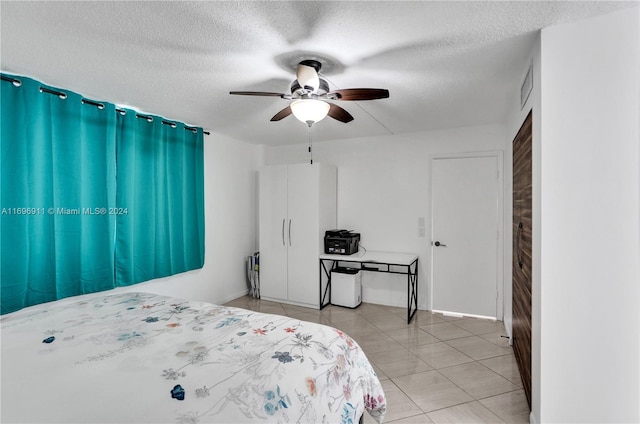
(522,253)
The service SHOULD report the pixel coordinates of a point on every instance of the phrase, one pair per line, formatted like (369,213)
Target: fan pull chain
(310,150)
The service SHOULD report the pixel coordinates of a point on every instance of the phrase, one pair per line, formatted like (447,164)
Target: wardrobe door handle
(289,231)
(518,235)
(283,232)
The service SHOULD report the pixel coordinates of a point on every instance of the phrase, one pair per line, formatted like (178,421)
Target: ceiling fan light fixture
(310,111)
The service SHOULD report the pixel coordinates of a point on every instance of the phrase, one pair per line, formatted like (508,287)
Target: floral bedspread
(143,358)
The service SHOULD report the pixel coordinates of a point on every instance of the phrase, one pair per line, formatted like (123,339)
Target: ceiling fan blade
(359,94)
(257,93)
(282,114)
(338,113)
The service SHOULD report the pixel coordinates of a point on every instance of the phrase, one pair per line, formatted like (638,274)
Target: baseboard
(461,315)
(507,329)
(291,302)
(231,297)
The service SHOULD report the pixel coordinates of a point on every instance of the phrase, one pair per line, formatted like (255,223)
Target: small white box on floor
(346,287)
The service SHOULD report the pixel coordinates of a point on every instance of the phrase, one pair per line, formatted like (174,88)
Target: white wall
(230,225)
(384,187)
(517,116)
(589,221)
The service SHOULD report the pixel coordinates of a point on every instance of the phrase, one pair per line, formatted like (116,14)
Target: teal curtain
(160,198)
(92,197)
(57,176)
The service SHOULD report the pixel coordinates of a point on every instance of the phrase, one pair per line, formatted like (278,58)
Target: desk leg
(327,290)
(412,291)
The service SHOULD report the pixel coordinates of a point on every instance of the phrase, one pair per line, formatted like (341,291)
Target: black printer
(341,242)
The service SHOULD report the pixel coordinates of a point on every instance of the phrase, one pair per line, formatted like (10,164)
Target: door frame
(500,188)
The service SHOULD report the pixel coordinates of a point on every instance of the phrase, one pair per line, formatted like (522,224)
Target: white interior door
(465,226)
(302,233)
(273,238)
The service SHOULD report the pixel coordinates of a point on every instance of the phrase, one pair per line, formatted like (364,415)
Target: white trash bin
(346,287)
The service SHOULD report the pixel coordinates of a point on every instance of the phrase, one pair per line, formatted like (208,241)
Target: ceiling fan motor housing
(322,89)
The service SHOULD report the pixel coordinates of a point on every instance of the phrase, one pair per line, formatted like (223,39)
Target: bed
(144,358)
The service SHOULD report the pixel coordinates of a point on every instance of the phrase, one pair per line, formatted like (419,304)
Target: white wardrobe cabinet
(297,205)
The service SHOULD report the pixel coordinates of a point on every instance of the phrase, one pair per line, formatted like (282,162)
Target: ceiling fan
(309,93)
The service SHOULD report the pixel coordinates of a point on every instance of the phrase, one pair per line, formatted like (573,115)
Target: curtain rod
(63,95)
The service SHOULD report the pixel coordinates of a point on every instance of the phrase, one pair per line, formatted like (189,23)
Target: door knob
(437,243)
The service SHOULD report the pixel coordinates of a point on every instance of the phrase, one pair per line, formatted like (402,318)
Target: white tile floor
(437,369)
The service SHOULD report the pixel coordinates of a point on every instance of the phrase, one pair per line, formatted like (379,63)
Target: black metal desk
(373,261)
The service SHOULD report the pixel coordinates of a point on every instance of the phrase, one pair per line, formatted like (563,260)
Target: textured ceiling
(446,64)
